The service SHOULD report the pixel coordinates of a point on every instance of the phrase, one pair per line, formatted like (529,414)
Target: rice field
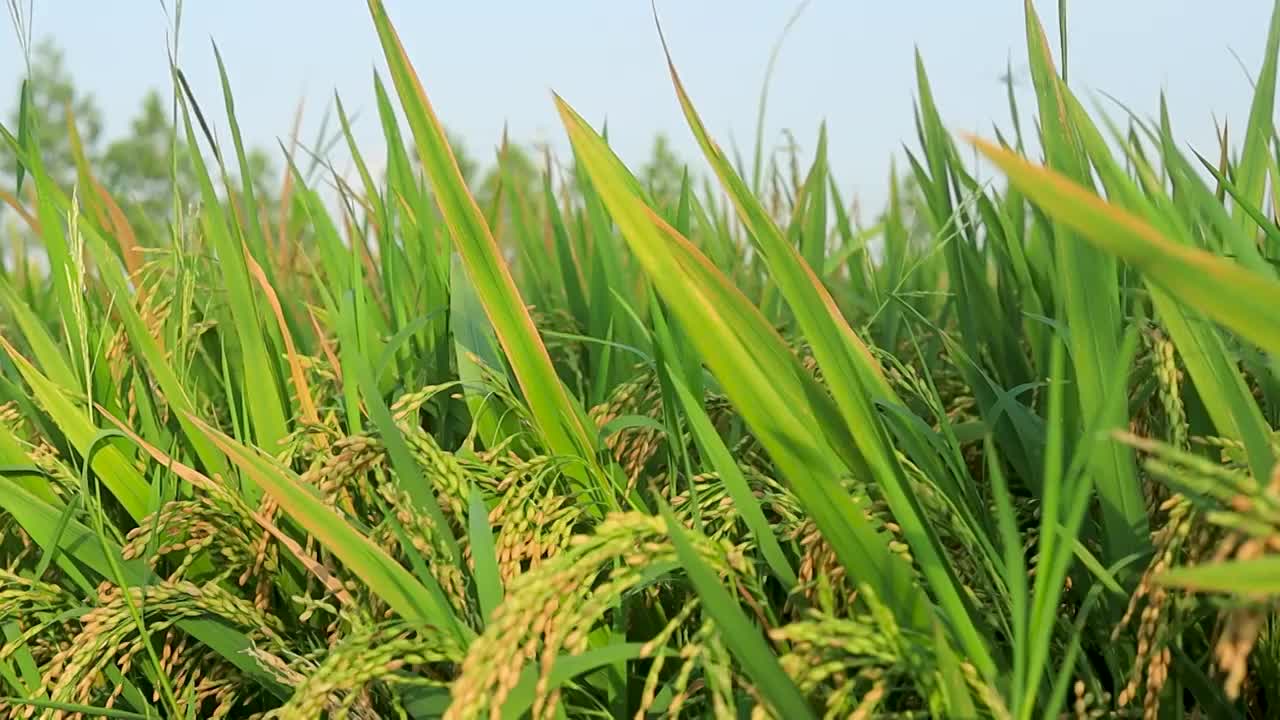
(583,446)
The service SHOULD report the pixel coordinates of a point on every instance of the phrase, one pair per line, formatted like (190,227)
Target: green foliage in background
(545,437)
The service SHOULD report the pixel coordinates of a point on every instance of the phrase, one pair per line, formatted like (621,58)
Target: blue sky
(489,62)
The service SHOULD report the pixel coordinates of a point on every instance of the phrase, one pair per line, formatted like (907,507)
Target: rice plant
(586,446)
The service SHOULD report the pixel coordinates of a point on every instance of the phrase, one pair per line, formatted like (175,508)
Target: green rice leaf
(743,639)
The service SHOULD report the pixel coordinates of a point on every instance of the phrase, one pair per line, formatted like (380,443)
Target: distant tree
(466,164)
(262,172)
(663,173)
(138,170)
(51,92)
(516,172)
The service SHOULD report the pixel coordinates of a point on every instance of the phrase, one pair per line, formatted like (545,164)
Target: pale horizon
(492,65)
